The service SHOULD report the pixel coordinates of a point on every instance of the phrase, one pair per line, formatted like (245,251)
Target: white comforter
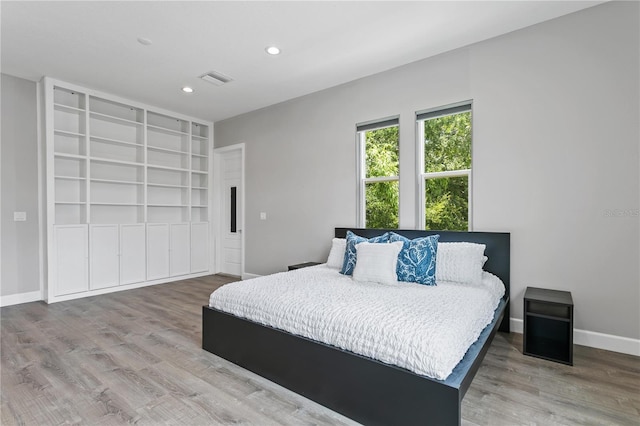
(425,329)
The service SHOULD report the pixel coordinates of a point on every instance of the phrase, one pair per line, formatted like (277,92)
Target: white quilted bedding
(425,329)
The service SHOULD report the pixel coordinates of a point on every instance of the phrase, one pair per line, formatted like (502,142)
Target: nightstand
(548,325)
(303,265)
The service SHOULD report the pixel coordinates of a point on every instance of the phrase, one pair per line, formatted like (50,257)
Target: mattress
(425,329)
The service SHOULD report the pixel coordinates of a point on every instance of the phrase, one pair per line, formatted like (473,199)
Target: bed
(359,387)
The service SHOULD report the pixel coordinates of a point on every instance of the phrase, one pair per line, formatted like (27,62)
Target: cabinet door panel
(180,249)
(157,251)
(199,247)
(71,252)
(104,250)
(133,253)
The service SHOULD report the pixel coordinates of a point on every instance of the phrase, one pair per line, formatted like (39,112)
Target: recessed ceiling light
(187,89)
(272,50)
(144,41)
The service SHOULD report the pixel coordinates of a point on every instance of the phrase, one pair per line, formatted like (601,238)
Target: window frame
(362,180)
(422,176)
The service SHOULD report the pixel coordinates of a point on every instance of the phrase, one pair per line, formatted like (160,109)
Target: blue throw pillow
(349,263)
(417,259)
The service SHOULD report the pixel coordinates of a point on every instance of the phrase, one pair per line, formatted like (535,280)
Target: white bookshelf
(200,166)
(115,167)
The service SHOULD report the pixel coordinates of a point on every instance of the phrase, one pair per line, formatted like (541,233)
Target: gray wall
(555,149)
(19,187)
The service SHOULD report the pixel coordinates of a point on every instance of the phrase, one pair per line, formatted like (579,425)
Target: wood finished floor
(136,357)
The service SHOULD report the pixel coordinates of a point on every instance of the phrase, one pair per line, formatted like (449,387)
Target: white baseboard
(594,339)
(16,299)
(248,276)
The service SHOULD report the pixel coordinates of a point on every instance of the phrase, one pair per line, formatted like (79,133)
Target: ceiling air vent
(216,78)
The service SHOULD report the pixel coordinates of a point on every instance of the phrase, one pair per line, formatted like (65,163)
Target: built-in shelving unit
(114,167)
(200,165)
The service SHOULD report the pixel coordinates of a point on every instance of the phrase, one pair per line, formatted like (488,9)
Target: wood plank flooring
(135,357)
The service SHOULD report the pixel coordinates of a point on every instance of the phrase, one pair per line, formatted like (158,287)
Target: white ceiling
(323,44)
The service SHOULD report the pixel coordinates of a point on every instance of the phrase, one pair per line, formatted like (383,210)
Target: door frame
(218,193)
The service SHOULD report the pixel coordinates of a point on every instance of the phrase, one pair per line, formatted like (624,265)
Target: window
(444,136)
(378,146)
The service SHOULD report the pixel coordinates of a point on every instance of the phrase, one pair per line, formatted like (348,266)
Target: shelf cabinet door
(71,259)
(199,247)
(157,251)
(180,249)
(133,253)
(104,254)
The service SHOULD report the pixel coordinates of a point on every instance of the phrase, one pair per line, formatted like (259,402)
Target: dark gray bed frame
(366,390)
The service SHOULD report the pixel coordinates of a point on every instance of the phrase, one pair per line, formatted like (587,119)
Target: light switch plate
(19,216)
(263,216)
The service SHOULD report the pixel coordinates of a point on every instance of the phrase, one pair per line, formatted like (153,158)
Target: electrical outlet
(263,215)
(19,216)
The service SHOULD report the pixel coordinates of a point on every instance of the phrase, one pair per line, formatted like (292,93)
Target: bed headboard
(498,250)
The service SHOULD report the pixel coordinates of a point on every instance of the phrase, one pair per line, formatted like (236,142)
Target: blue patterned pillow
(349,263)
(417,259)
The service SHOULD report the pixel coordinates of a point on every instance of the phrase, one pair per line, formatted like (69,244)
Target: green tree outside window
(447,147)
(381,160)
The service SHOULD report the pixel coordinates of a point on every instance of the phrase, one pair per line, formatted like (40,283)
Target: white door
(72,259)
(199,247)
(230,197)
(180,253)
(133,253)
(104,267)
(157,251)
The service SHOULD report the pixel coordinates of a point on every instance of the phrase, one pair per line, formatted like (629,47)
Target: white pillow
(336,254)
(460,262)
(377,262)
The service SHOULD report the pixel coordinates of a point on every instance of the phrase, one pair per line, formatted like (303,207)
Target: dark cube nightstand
(303,265)
(548,325)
